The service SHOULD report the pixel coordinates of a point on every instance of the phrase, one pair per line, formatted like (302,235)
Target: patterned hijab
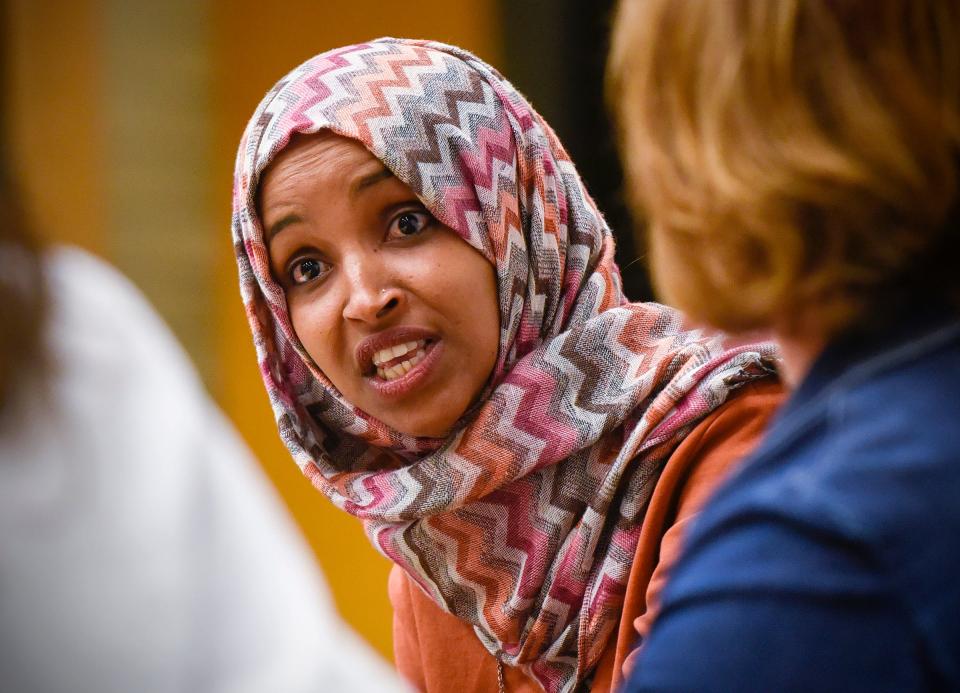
(524,521)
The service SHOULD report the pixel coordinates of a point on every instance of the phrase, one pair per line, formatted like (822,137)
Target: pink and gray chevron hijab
(525,520)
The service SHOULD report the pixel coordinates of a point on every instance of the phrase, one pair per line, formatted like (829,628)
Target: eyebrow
(281,224)
(370,179)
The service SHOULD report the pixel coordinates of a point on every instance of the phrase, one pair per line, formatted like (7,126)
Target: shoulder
(748,408)
(856,506)
(718,443)
(878,462)
(692,473)
(901,418)
(871,457)
(119,378)
(97,313)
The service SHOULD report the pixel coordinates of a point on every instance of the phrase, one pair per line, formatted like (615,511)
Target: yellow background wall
(68,109)
(55,137)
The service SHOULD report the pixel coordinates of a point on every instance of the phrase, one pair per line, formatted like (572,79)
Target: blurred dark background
(555,53)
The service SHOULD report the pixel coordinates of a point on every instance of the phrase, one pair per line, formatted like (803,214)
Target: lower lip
(412,379)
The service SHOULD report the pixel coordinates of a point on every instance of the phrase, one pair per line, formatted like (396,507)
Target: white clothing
(141,548)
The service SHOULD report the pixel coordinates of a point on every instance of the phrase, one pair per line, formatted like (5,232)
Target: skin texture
(359,255)
(798,352)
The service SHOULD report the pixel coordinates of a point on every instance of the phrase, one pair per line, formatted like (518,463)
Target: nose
(371,293)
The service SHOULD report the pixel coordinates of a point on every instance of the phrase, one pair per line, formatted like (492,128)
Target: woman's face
(397,310)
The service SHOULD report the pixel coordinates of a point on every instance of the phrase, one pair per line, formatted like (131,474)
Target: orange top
(439,653)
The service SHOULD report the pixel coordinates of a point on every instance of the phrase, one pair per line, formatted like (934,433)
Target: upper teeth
(390,353)
(413,351)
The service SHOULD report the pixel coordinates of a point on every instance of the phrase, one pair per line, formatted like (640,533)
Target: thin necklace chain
(500,682)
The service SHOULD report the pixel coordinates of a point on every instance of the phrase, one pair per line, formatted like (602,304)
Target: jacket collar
(859,354)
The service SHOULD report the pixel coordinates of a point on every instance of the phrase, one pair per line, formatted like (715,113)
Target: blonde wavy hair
(793,159)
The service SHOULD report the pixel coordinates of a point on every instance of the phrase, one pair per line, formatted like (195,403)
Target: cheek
(316,331)
(487,316)
(469,289)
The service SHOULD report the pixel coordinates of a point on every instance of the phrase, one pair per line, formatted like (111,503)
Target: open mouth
(399,360)
(396,361)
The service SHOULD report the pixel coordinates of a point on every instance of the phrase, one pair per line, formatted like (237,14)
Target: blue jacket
(831,561)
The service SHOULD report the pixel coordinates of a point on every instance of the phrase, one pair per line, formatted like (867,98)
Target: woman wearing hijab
(442,332)
(813,169)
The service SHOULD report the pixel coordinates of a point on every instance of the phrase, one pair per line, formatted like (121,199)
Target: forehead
(317,158)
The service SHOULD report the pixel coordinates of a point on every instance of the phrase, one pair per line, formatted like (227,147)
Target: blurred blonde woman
(796,163)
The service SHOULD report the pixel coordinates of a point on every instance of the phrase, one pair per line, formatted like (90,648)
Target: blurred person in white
(141,548)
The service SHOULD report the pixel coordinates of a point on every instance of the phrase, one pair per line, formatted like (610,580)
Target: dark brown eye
(411,223)
(305,270)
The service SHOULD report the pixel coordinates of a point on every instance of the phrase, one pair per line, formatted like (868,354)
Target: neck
(799,352)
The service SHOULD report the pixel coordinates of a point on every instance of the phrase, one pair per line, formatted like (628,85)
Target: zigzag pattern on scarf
(525,520)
